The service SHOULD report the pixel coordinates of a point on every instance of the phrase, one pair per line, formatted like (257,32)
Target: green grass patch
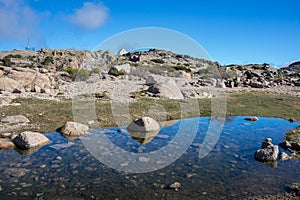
(46,115)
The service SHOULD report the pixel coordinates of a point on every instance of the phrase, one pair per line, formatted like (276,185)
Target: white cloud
(17,20)
(90,16)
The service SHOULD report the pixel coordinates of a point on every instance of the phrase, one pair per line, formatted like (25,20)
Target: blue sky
(230,31)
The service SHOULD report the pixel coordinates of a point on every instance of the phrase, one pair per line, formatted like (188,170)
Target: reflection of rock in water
(144,137)
(169,123)
(27,152)
(144,129)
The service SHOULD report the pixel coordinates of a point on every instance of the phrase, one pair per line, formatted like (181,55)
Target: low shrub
(115,72)
(160,61)
(78,74)
(48,60)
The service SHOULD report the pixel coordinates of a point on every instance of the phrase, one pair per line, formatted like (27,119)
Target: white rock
(74,129)
(28,139)
(144,124)
(15,119)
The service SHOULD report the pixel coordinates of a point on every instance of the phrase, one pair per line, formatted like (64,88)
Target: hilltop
(155,73)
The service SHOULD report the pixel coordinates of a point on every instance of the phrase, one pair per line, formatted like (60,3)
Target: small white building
(122,52)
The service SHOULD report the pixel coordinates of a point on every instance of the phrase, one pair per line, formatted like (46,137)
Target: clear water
(65,169)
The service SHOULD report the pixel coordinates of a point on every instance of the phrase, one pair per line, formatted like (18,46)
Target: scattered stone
(175,186)
(15,119)
(268,152)
(266,143)
(58,158)
(121,130)
(4,144)
(285,145)
(295,188)
(125,164)
(16,172)
(144,159)
(252,119)
(5,135)
(6,101)
(284,156)
(74,129)
(295,146)
(28,139)
(292,120)
(189,175)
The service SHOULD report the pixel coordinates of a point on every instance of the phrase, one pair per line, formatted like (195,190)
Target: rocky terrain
(65,74)
(55,74)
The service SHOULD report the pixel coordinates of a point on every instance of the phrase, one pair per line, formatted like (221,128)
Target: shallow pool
(66,169)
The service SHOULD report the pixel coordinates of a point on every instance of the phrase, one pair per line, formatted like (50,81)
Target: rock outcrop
(48,72)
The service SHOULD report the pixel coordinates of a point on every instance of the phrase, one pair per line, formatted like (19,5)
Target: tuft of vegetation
(48,60)
(78,74)
(18,56)
(241,68)
(159,61)
(183,68)
(135,64)
(209,72)
(31,66)
(95,70)
(238,104)
(115,72)
(6,61)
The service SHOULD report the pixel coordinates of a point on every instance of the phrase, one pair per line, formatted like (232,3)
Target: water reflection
(65,169)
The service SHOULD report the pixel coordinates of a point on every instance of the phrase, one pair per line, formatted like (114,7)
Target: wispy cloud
(17,20)
(90,16)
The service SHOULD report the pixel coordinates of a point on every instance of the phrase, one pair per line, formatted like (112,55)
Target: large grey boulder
(144,129)
(164,87)
(28,139)
(268,152)
(157,79)
(144,124)
(74,129)
(166,90)
(17,119)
